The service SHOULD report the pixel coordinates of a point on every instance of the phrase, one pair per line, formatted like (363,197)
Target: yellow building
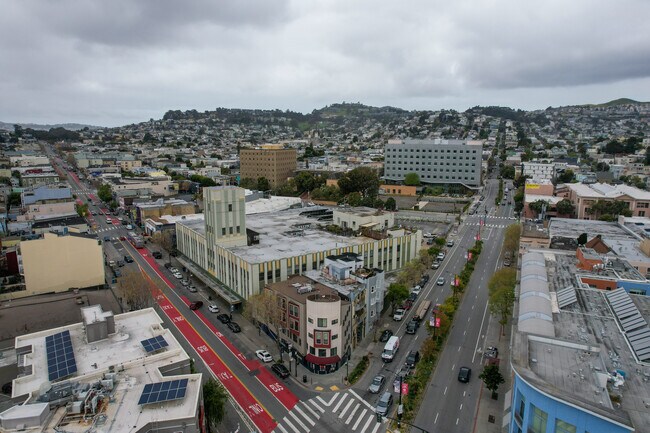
(58,263)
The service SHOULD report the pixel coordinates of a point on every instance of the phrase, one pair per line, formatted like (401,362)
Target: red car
(407,304)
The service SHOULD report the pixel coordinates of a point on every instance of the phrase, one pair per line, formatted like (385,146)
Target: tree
(215,398)
(135,289)
(538,205)
(363,180)
(82,209)
(565,207)
(262,308)
(507,172)
(165,239)
(263,184)
(248,183)
(491,377)
(327,192)
(354,199)
(582,239)
(395,294)
(566,177)
(105,193)
(14,199)
(607,210)
(308,181)
(511,238)
(501,288)
(390,204)
(412,179)
(225,170)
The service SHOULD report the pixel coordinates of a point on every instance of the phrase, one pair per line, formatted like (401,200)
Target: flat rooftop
(290,288)
(620,240)
(587,345)
(124,353)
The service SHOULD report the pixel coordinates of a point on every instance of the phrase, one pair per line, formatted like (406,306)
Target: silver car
(377,384)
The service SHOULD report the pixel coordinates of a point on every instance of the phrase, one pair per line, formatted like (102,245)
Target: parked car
(450,243)
(192,289)
(441,256)
(128,259)
(416,291)
(413,296)
(157,255)
(491,352)
(280,370)
(441,281)
(385,335)
(412,326)
(435,265)
(464,374)
(384,403)
(264,356)
(185,282)
(233,326)
(107,238)
(377,384)
(178,276)
(506,262)
(412,358)
(196,305)
(129,227)
(120,263)
(407,304)
(399,314)
(174,270)
(213,308)
(223,318)
(425,279)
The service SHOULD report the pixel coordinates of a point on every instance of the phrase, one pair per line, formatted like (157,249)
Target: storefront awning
(328,360)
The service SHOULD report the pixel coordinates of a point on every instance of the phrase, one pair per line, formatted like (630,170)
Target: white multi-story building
(436,161)
(539,171)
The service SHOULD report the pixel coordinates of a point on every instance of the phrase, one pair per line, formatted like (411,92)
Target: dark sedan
(223,318)
(280,370)
(234,327)
(385,335)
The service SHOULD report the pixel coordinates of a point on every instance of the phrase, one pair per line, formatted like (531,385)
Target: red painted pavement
(257,413)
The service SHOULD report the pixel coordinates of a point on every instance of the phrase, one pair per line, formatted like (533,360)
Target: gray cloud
(124,61)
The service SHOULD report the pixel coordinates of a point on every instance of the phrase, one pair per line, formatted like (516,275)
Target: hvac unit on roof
(304,289)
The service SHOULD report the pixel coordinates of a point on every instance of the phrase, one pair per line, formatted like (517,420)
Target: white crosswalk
(490,226)
(343,407)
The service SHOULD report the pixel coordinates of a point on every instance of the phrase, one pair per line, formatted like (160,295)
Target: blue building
(579,356)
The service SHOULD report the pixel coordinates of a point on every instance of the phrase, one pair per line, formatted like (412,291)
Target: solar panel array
(155,343)
(566,297)
(163,391)
(60,357)
(634,325)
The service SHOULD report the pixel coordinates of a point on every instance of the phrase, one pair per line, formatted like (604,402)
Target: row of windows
(439,177)
(430,150)
(323,352)
(538,419)
(473,158)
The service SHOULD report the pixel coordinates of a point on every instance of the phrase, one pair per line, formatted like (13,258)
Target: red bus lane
(240,393)
(284,396)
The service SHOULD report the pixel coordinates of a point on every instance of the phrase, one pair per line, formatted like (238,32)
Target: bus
(135,240)
(421,312)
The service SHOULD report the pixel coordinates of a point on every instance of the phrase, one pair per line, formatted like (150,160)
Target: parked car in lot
(385,335)
(441,256)
(196,305)
(464,374)
(213,308)
(377,384)
(264,356)
(413,296)
(280,370)
(399,314)
(223,318)
(233,326)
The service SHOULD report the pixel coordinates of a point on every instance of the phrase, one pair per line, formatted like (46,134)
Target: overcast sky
(117,62)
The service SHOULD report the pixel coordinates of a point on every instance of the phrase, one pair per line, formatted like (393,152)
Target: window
(238,229)
(230,230)
(310,320)
(294,310)
(322,353)
(312,351)
(335,336)
(230,208)
(564,427)
(322,323)
(321,338)
(223,231)
(334,351)
(520,408)
(335,321)
(537,422)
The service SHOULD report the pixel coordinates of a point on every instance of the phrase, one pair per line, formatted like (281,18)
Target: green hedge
(358,371)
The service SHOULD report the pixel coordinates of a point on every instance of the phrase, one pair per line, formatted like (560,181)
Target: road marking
(290,424)
(464,392)
(352,414)
(374,430)
(298,421)
(456,421)
(445,393)
(465,332)
(461,406)
(336,408)
(453,366)
(304,415)
(356,424)
(317,416)
(436,420)
(347,406)
(281,428)
(361,400)
(313,403)
(478,337)
(367,424)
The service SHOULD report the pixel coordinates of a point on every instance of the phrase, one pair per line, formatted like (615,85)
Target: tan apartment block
(276,165)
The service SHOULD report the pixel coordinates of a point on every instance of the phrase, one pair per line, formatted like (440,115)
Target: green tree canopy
(511,238)
(14,199)
(248,183)
(396,293)
(215,398)
(582,239)
(308,181)
(538,205)
(105,193)
(363,180)
(412,179)
(263,184)
(565,207)
(491,377)
(507,172)
(566,177)
(390,204)
(609,210)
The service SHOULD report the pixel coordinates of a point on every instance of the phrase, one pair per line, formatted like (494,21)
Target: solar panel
(566,297)
(163,391)
(60,357)
(634,325)
(155,343)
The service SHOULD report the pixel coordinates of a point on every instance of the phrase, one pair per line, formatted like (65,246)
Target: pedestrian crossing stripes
(489,226)
(343,407)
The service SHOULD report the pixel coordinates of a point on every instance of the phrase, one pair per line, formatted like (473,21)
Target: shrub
(359,369)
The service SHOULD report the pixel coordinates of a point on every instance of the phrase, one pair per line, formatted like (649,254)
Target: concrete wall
(56,264)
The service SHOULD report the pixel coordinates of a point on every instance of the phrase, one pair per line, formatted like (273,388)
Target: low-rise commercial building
(585,196)
(107,373)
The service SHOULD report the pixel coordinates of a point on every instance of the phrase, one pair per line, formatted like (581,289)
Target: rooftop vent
(304,289)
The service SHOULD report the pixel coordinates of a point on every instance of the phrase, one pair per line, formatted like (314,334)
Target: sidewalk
(489,414)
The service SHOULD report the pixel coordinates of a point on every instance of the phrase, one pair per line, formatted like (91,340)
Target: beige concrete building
(277,165)
(358,218)
(160,207)
(58,263)
(584,196)
(162,186)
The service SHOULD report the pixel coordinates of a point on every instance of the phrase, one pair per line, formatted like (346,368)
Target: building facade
(245,253)
(276,165)
(58,263)
(438,161)
(585,196)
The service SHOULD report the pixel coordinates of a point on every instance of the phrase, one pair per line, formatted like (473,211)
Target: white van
(390,349)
